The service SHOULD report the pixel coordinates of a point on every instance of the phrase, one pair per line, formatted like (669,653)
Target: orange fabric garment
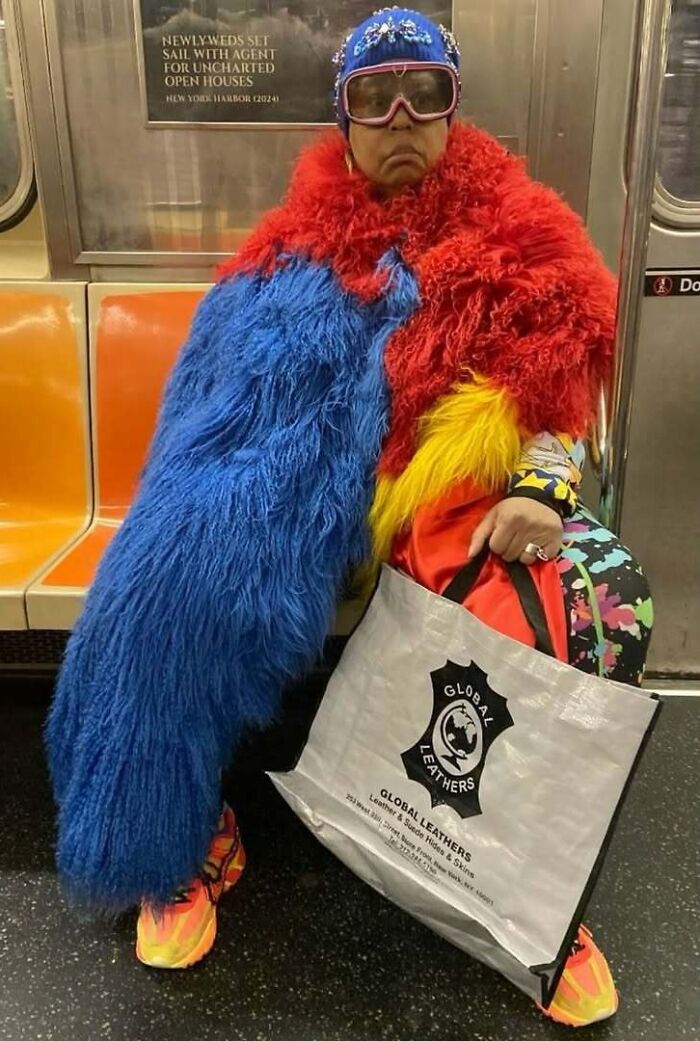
(435,548)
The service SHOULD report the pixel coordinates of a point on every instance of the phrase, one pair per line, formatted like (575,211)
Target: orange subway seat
(44,463)
(135,341)
(138,339)
(77,568)
(27,545)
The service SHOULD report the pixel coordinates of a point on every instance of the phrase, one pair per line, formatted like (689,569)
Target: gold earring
(348,161)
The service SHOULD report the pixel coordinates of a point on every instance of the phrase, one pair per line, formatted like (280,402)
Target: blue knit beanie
(392,34)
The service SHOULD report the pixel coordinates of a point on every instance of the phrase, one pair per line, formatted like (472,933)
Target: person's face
(400,153)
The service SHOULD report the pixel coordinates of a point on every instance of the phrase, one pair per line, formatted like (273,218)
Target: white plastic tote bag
(471,779)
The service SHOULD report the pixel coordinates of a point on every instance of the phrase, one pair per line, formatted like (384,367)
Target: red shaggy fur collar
(511,287)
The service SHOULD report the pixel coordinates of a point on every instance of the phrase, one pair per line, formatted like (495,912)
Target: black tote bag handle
(525,587)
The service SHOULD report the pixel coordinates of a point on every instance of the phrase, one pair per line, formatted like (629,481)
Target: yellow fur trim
(472,432)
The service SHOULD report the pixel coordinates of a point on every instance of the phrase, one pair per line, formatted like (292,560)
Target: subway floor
(306,952)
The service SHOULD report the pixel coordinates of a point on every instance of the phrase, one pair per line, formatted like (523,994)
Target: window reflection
(679,136)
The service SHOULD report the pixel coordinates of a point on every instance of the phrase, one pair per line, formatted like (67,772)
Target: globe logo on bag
(458,739)
(467,717)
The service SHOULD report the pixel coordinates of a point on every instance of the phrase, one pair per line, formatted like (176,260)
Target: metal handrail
(598,440)
(652,43)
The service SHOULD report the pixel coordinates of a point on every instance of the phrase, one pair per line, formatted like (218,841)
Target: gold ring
(535,551)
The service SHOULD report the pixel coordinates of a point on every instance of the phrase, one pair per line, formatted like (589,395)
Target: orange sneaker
(586,992)
(184,931)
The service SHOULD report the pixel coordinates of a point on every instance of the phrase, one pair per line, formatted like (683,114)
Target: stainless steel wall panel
(137,195)
(616,76)
(497,39)
(560,136)
(661,502)
(150,190)
(661,508)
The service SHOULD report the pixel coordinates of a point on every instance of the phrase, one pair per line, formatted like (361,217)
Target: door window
(678,173)
(16,168)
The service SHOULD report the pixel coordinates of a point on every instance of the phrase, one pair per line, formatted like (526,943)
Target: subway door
(661,505)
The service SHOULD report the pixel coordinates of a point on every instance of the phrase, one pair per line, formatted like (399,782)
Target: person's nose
(402,118)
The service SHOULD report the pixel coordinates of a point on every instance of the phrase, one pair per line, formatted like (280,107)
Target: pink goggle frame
(404,66)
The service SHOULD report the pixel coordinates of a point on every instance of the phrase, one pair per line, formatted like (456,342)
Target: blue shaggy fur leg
(221,584)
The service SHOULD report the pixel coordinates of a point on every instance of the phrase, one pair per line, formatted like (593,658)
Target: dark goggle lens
(428,92)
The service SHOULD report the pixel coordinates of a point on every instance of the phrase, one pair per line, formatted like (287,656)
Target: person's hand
(513,524)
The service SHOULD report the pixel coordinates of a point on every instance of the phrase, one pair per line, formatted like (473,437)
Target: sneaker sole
(558,1018)
(206,941)
(205,944)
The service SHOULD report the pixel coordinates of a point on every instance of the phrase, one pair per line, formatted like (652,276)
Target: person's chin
(404,170)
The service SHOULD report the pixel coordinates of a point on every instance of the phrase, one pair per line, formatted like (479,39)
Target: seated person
(399,365)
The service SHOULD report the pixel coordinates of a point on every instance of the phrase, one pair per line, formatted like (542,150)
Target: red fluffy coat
(511,287)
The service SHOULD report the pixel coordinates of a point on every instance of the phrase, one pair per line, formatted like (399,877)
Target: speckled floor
(308,953)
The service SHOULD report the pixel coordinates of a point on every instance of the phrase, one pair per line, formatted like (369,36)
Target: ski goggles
(427,91)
